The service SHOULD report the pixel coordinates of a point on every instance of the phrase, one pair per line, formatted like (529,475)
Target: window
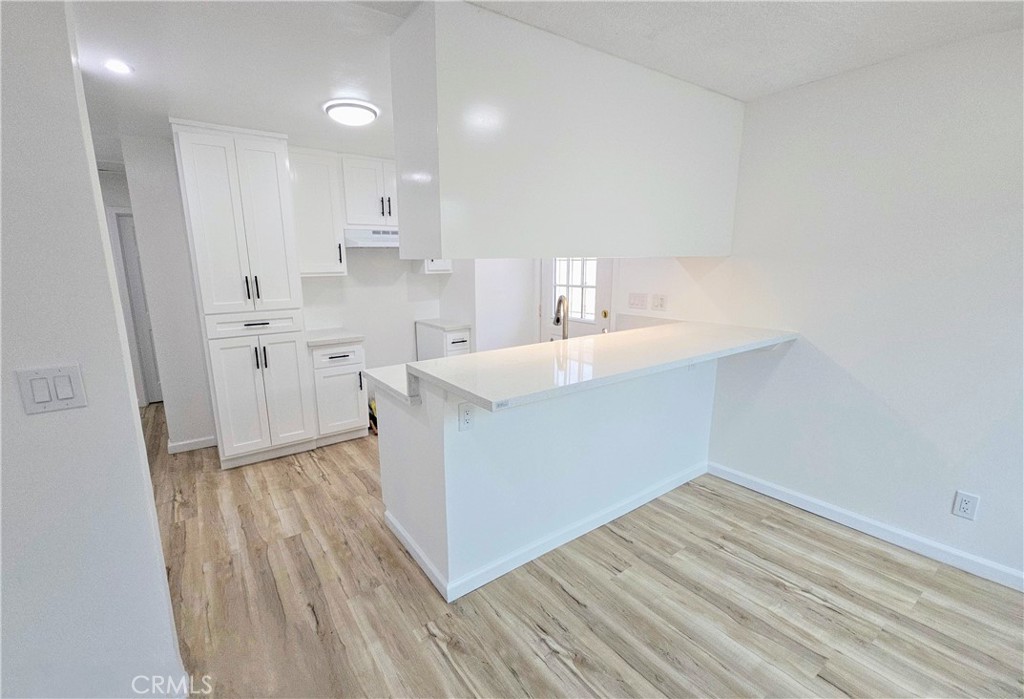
(576,279)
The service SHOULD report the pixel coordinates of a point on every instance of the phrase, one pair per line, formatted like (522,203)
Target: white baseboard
(982,567)
(469,582)
(437,577)
(190,444)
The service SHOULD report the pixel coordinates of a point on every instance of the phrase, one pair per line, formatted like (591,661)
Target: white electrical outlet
(465,417)
(638,301)
(659,302)
(966,505)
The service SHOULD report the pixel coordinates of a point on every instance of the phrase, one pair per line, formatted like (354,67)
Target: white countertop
(394,380)
(331,336)
(504,378)
(446,324)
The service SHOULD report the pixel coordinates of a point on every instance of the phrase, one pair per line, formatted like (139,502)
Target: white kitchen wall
(170,292)
(85,600)
(114,186)
(381,297)
(507,294)
(458,292)
(498,296)
(879,215)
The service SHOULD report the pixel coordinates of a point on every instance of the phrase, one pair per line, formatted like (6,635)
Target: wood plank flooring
(286,583)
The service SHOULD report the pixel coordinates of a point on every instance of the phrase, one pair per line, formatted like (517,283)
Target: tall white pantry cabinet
(238,207)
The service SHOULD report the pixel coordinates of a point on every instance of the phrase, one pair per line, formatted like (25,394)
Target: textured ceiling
(262,65)
(750,49)
(270,65)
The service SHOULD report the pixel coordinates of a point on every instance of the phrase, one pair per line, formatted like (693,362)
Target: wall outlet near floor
(966,505)
(659,302)
(465,417)
(638,301)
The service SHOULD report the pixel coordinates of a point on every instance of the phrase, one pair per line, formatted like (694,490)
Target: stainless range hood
(367,238)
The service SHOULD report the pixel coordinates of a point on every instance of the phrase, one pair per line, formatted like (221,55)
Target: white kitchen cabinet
(264,392)
(319,212)
(209,175)
(390,193)
(340,389)
(340,399)
(371,197)
(439,337)
(288,378)
(269,224)
(237,376)
(238,205)
(437,266)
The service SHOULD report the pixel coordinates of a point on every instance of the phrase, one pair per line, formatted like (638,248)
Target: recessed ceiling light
(116,65)
(351,112)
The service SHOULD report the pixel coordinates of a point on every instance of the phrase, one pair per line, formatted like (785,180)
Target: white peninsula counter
(491,459)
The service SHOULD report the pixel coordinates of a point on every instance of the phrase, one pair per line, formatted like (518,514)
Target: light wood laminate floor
(285,582)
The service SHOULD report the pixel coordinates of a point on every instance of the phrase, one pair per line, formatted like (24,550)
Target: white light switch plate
(638,301)
(50,389)
(659,302)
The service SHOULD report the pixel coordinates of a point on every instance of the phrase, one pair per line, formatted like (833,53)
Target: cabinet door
(319,215)
(209,172)
(288,377)
(269,227)
(240,395)
(390,194)
(340,400)
(364,191)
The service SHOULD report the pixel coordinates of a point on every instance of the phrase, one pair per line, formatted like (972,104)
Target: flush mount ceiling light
(116,65)
(351,112)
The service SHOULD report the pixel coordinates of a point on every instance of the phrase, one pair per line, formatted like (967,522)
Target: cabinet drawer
(460,339)
(337,355)
(255,323)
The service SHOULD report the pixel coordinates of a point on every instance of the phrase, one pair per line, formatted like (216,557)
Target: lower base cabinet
(340,390)
(264,391)
(340,399)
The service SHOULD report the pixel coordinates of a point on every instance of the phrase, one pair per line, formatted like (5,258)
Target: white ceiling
(261,65)
(748,50)
(270,65)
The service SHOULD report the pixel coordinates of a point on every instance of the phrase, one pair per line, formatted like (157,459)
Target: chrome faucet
(562,315)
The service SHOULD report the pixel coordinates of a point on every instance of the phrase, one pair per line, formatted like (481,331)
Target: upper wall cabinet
(239,210)
(371,198)
(319,212)
(513,142)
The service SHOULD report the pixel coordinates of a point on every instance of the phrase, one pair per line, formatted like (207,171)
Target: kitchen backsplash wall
(381,297)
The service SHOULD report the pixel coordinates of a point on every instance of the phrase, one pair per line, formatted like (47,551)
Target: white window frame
(575,315)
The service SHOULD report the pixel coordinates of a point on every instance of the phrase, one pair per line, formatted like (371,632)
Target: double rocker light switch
(54,388)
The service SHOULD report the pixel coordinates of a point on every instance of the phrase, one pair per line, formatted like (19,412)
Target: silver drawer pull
(339,356)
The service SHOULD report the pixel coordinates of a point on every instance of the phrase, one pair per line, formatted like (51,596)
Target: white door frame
(135,309)
(122,287)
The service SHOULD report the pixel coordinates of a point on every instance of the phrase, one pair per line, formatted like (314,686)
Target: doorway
(130,286)
(586,283)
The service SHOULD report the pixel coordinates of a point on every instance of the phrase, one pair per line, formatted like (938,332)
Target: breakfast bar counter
(491,459)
